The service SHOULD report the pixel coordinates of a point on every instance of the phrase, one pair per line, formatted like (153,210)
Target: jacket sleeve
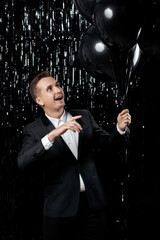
(31,150)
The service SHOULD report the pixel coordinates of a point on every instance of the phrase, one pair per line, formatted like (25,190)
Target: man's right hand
(71,124)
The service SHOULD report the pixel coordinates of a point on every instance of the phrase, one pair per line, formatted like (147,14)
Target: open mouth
(59,98)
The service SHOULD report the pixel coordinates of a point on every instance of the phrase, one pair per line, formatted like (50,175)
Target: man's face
(50,95)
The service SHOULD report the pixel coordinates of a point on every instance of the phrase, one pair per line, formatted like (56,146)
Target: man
(73,195)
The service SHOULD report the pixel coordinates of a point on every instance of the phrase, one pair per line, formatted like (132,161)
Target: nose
(58,89)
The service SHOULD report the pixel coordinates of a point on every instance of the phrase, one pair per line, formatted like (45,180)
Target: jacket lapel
(82,122)
(50,127)
(47,123)
(60,143)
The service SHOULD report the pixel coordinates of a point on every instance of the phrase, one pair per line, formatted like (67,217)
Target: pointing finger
(75,117)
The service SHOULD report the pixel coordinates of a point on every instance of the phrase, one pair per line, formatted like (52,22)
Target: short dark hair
(32,88)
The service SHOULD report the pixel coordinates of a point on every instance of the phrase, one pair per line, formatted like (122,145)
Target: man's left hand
(123,119)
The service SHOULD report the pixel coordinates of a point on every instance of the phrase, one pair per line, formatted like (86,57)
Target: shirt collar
(63,118)
(56,121)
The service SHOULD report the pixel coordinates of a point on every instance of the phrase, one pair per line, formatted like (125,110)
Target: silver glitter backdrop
(45,35)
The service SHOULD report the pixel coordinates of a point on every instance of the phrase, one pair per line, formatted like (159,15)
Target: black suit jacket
(61,168)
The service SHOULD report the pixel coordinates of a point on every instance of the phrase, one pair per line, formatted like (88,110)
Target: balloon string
(121,99)
(125,152)
(125,85)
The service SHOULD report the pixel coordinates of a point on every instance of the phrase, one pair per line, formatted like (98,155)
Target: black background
(27,28)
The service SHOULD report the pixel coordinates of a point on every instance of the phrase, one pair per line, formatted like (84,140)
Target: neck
(56,114)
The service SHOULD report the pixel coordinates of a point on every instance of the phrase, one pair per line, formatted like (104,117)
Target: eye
(57,84)
(49,88)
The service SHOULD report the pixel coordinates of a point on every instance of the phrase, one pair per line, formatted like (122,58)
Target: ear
(39,101)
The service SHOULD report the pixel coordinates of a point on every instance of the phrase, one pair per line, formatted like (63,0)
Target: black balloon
(94,55)
(86,7)
(133,58)
(149,40)
(130,64)
(124,66)
(101,61)
(118,23)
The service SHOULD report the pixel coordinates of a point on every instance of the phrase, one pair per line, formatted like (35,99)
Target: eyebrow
(49,86)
